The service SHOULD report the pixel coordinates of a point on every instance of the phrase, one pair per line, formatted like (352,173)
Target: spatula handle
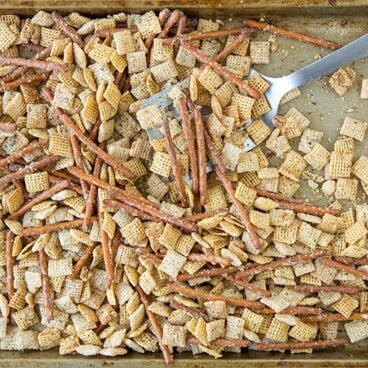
(351,52)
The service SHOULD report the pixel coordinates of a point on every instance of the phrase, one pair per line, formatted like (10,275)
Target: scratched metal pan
(340,21)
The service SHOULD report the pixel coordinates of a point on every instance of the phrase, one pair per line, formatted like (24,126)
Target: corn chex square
(172,263)
(354,128)
(360,168)
(174,335)
(37,182)
(346,189)
(340,165)
(308,235)
(303,331)
(318,157)
(293,166)
(355,232)
(260,52)
(346,305)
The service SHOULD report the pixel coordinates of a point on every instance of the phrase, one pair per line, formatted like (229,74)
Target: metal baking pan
(339,21)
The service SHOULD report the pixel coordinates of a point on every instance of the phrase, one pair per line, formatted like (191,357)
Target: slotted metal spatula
(280,86)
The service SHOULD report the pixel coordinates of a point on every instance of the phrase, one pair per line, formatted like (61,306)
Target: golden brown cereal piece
(354,128)
(172,263)
(277,331)
(303,332)
(293,166)
(259,52)
(60,145)
(342,80)
(346,305)
(355,232)
(36,182)
(318,157)
(346,189)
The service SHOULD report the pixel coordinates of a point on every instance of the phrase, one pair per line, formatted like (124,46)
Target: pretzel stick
(298,310)
(30,231)
(69,123)
(28,169)
(158,214)
(278,197)
(104,185)
(24,80)
(103,33)
(109,266)
(175,165)
(352,261)
(203,36)
(188,134)
(61,175)
(179,31)
(162,18)
(68,30)
(209,258)
(156,259)
(15,182)
(33,63)
(207,273)
(205,215)
(136,201)
(94,131)
(254,305)
(8,127)
(329,288)
(192,311)
(128,209)
(78,162)
(290,34)
(240,343)
(280,262)
(202,169)
(195,293)
(222,55)
(27,149)
(344,268)
(334,317)
(221,172)
(221,70)
(248,286)
(9,264)
(173,18)
(118,78)
(55,180)
(319,344)
(307,208)
(45,53)
(82,261)
(46,285)
(115,244)
(156,327)
(32,47)
(39,198)
(91,200)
